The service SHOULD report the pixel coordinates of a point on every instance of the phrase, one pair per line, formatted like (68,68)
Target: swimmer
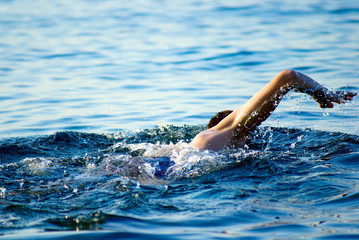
(230,129)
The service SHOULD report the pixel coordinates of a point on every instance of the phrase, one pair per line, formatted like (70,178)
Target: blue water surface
(100,98)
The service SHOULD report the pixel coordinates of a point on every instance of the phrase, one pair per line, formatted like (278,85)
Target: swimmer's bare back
(234,130)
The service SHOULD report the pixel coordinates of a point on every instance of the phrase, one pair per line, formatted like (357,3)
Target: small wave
(80,222)
(345,10)
(69,55)
(343,200)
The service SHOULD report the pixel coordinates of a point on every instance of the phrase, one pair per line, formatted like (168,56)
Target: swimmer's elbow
(210,140)
(199,142)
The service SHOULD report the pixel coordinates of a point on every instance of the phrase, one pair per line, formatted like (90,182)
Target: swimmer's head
(219,117)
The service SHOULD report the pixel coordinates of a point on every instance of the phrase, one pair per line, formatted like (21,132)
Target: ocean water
(99,100)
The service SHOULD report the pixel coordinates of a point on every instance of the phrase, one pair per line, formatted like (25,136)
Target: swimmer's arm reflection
(233,128)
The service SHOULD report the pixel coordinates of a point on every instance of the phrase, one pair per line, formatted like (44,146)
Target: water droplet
(2,192)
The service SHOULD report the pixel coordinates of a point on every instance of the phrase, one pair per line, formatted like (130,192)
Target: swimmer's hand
(326,98)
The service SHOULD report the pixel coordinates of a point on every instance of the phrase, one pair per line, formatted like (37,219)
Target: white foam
(188,161)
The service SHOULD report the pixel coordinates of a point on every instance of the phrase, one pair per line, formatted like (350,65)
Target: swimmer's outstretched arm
(246,118)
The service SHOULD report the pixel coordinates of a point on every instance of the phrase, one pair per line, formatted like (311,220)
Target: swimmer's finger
(349,95)
(346,95)
(352,94)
